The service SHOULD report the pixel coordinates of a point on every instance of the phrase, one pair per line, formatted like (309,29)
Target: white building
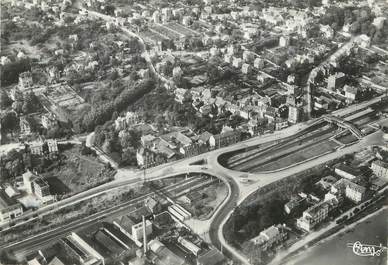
(137,230)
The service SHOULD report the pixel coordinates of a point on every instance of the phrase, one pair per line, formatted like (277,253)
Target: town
(209,132)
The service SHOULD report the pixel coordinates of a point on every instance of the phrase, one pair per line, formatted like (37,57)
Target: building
(294,114)
(85,254)
(347,172)
(163,255)
(49,121)
(146,158)
(280,123)
(258,63)
(313,216)
(246,68)
(284,41)
(224,139)
(270,237)
(25,81)
(204,137)
(40,188)
(350,92)
(25,126)
(131,118)
(194,249)
(336,81)
(36,147)
(355,192)
(294,205)
(211,257)
(137,230)
(182,95)
(40,146)
(52,146)
(9,208)
(380,168)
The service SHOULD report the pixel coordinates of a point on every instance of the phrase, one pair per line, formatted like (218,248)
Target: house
(204,137)
(284,41)
(258,63)
(151,204)
(182,95)
(52,146)
(294,204)
(25,125)
(350,92)
(237,62)
(25,81)
(313,216)
(40,188)
(146,158)
(246,68)
(355,192)
(270,237)
(49,121)
(294,114)
(280,123)
(380,168)
(9,208)
(147,140)
(225,139)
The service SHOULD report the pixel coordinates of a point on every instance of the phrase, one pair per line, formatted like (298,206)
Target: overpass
(344,124)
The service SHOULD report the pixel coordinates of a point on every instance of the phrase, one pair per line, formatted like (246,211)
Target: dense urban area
(207,132)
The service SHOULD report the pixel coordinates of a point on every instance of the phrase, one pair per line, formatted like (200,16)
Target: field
(76,172)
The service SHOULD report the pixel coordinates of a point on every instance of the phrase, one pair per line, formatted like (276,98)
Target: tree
(5,101)
(31,103)
(9,121)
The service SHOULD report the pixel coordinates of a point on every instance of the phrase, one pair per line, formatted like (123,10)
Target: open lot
(75,172)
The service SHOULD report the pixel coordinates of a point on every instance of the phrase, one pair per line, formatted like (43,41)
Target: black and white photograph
(193,132)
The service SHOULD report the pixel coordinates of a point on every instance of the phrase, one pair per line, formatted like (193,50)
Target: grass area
(77,172)
(347,138)
(299,156)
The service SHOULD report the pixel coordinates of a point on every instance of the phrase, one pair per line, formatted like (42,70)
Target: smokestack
(144,235)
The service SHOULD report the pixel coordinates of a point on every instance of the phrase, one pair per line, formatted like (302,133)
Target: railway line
(281,147)
(294,138)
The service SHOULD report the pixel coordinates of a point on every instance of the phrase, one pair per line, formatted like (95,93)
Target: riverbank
(316,237)
(334,249)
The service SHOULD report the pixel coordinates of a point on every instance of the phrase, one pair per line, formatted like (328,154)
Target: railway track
(279,147)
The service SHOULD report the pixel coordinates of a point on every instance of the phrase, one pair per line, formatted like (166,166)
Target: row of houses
(179,144)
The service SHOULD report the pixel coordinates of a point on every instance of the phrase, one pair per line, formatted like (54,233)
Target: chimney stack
(144,235)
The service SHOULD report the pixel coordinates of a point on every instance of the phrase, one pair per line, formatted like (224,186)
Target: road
(238,191)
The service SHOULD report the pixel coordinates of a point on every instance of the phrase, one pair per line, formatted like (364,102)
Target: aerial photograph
(205,132)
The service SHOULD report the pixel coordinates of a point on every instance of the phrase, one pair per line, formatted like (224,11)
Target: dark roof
(212,257)
(108,242)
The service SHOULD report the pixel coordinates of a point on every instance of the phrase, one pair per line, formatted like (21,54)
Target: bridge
(344,124)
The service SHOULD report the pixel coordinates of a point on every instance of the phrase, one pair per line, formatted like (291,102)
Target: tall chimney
(144,235)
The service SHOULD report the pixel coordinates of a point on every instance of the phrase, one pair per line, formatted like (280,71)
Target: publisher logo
(365,250)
